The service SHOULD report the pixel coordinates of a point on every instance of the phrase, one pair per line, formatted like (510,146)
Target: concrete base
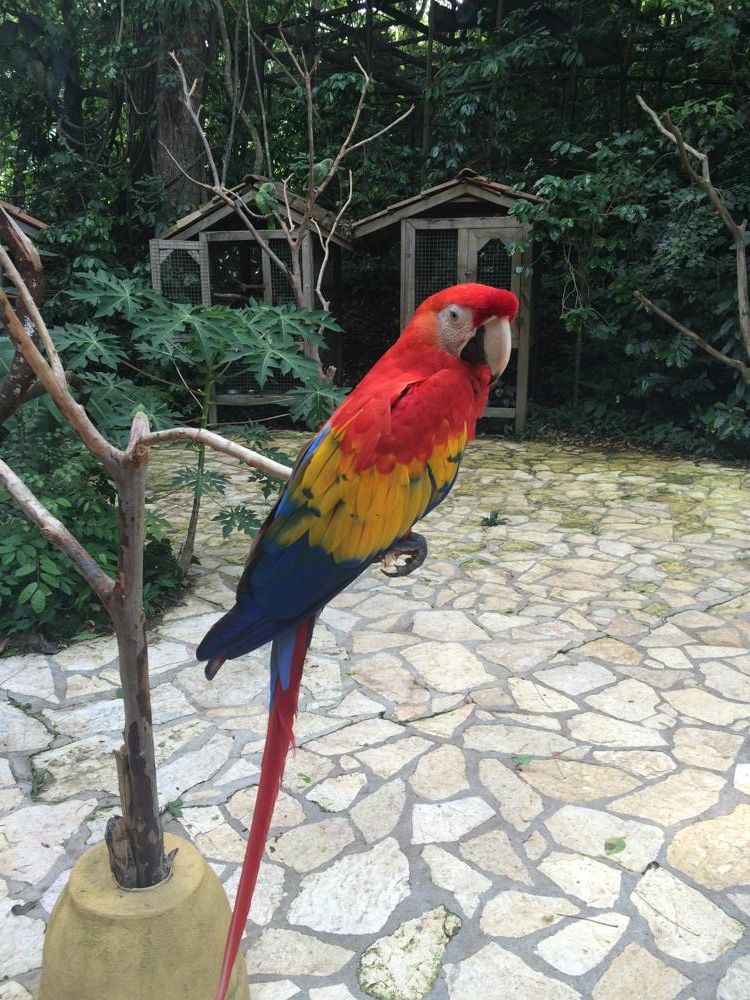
(163,943)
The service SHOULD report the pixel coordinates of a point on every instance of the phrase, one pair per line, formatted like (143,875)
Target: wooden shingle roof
(214,211)
(466,185)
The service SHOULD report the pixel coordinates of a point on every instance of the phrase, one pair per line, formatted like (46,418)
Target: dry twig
(301,73)
(737,231)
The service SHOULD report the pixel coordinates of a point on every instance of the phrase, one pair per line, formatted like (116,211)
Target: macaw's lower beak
(490,345)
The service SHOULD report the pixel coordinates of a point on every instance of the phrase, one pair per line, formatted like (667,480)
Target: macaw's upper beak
(490,345)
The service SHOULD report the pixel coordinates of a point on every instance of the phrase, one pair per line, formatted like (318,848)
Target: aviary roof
(27,222)
(214,211)
(467,183)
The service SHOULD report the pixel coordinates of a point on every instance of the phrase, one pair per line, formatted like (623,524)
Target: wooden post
(136,763)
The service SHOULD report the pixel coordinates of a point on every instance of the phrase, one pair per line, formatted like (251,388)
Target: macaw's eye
(453,313)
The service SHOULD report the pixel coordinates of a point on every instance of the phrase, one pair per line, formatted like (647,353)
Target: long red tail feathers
(279,737)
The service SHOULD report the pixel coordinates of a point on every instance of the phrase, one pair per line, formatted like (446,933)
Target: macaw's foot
(405,555)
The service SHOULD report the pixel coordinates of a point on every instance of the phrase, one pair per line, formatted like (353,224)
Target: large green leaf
(82,344)
(110,295)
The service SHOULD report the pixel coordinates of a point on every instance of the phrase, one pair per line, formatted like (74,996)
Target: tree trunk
(426,107)
(175,131)
(577,367)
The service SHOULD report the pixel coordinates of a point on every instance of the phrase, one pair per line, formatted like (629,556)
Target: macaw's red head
(470,322)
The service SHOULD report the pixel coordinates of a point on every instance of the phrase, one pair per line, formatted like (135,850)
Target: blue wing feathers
(282,651)
(274,594)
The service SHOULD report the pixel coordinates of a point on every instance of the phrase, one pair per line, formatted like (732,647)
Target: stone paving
(520,770)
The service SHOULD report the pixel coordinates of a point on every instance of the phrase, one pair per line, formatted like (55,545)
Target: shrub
(39,589)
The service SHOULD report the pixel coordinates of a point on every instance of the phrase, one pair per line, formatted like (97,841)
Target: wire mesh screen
(435,261)
(236,381)
(180,276)
(281,288)
(236,272)
(494,265)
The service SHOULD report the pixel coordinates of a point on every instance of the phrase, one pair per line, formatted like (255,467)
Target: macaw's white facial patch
(455,328)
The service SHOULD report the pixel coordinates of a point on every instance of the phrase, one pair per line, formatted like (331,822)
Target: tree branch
(19,378)
(295,235)
(259,88)
(231,85)
(326,244)
(195,115)
(743,369)
(56,532)
(57,388)
(218,443)
(737,231)
(40,327)
(666,132)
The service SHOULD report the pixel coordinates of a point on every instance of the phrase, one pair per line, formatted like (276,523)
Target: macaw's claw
(405,555)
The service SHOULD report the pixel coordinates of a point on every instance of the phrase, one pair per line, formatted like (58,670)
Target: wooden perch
(738,232)
(135,841)
(218,443)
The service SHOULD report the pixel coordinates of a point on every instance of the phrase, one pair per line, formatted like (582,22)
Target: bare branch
(242,212)
(193,180)
(18,381)
(285,190)
(295,235)
(386,128)
(743,369)
(347,147)
(138,430)
(56,532)
(33,312)
(195,115)
(231,85)
(666,132)
(272,55)
(738,232)
(326,243)
(73,412)
(290,53)
(218,443)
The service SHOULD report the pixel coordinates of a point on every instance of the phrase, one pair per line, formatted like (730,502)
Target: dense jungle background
(541,96)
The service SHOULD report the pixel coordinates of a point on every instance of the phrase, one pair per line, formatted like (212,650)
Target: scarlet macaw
(386,457)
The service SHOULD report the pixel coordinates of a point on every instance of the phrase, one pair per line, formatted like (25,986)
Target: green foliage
(39,589)
(179,351)
(237,518)
(493,519)
(628,220)
(545,98)
(202,482)
(313,403)
(614,845)
(136,351)
(175,808)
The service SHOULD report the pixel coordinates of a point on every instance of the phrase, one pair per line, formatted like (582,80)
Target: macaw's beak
(490,345)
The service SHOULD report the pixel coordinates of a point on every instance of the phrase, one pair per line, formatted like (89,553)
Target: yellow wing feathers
(354,515)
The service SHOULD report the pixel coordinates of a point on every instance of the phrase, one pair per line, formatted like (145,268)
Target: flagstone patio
(521,771)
